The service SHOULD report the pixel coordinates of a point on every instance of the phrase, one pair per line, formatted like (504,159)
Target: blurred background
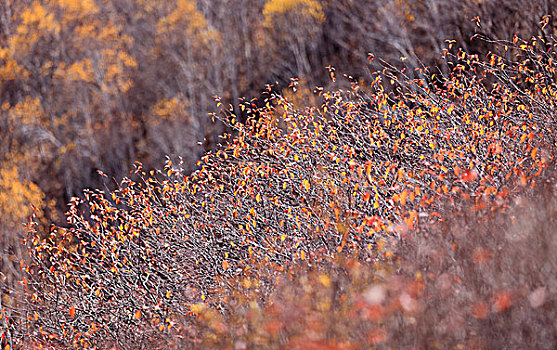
(88,85)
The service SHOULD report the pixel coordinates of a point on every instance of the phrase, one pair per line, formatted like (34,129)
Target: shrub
(291,186)
(478,280)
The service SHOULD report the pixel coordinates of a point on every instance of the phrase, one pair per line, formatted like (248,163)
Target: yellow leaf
(305,184)
(325,280)
(198,307)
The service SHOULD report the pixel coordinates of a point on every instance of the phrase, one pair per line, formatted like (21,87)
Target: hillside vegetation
(407,213)
(95,85)
(408,203)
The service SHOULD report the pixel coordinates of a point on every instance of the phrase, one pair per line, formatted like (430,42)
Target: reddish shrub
(364,173)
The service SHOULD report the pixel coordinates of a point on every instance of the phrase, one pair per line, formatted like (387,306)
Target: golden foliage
(17,198)
(170,109)
(186,15)
(309,9)
(77,24)
(76,10)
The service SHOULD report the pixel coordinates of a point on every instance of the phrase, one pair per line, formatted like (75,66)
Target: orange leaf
(137,315)
(502,301)
(72,311)
(225,264)
(367,196)
(374,313)
(469,175)
(480,310)
(305,184)
(410,219)
(403,196)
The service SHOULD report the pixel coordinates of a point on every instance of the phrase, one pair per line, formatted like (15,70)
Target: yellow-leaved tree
(19,198)
(184,41)
(291,28)
(64,71)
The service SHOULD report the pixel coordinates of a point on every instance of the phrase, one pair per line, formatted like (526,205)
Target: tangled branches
(290,186)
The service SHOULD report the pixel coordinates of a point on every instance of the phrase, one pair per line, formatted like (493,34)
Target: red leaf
(502,301)
(480,310)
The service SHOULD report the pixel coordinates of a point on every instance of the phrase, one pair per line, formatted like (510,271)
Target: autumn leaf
(480,310)
(410,220)
(366,196)
(403,196)
(534,152)
(469,175)
(502,301)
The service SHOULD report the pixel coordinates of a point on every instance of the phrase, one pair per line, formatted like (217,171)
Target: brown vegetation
(371,174)
(472,280)
(387,209)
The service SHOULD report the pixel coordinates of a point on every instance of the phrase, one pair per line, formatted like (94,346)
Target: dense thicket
(370,173)
(470,280)
(95,85)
